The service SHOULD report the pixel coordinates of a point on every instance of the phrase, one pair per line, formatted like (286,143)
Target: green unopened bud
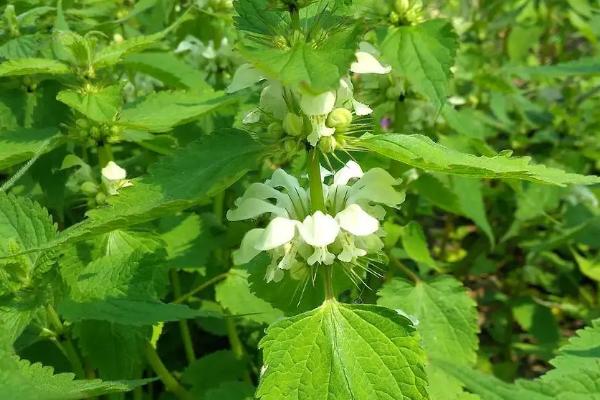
(100,198)
(340,119)
(402,6)
(327,144)
(10,19)
(290,146)
(274,130)
(293,124)
(89,188)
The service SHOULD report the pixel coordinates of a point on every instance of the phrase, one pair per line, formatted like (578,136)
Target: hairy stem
(200,288)
(66,345)
(317,200)
(104,154)
(186,337)
(171,384)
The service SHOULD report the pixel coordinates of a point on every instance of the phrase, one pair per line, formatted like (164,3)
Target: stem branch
(171,384)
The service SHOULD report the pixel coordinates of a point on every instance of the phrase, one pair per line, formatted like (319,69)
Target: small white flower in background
(317,108)
(115,177)
(346,230)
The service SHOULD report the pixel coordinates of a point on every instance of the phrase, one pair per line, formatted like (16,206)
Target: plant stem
(104,154)
(328,282)
(317,199)
(407,271)
(171,384)
(66,346)
(186,337)
(197,289)
(234,339)
(295,17)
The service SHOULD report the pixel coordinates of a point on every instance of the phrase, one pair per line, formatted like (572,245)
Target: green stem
(234,339)
(295,17)
(171,384)
(104,154)
(317,200)
(66,346)
(203,286)
(186,336)
(328,282)
(407,271)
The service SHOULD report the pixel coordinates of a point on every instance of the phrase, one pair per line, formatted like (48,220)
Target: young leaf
(31,66)
(256,17)
(234,295)
(20,145)
(212,370)
(315,68)
(160,112)
(21,380)
(422,152)
(424,54)
(101,105)
(339,351)
(415,244)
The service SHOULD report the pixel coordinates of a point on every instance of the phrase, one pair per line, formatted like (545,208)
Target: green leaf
(115,52)
(315,68)
(424,54)
(447,323)
(31,66)
(128,312)
(470,202)
(169,69)
(23,46)
(162,111)
(20,145)
(212,370)
(234,294)
(117,351)
(100,105)
(339,351)
(231,391)
(581,67)
(21,380)
(256,17)
(415,244)
(422,152)
(191,174)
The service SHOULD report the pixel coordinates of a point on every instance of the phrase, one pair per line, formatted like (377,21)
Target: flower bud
(340,119)
(327,144)
(402,6)
(290,146)
(89,188)
(274,131)
(293,124)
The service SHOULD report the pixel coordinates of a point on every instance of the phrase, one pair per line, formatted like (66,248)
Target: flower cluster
(300,113)
(347,230)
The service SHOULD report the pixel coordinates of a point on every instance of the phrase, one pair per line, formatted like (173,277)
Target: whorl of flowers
(295,236)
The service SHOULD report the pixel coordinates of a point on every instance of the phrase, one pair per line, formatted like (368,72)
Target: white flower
(345,98)
(317,108)
(114,178)
(366,61)
(244,77)
(347,229)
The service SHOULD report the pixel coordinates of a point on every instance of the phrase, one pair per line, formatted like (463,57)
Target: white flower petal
(279,232)
(361,109)
(247,250)
(356,221)
(349,171)
(321,256)
(319,229)
(113,172)
(245,76)
(321,104)
(367,64)
(252,208)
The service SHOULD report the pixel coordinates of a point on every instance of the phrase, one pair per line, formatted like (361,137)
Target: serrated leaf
(115,52)
(422,152)
(20,145)
(424,54)
(32,66)
(234,294)
(116,351)
(169,69)
(191,174)
(256,17)
(129,312)
(23,46)
(21,380)
(339,351)
(101,105)
(162,111)
(447,322)
(315,68)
